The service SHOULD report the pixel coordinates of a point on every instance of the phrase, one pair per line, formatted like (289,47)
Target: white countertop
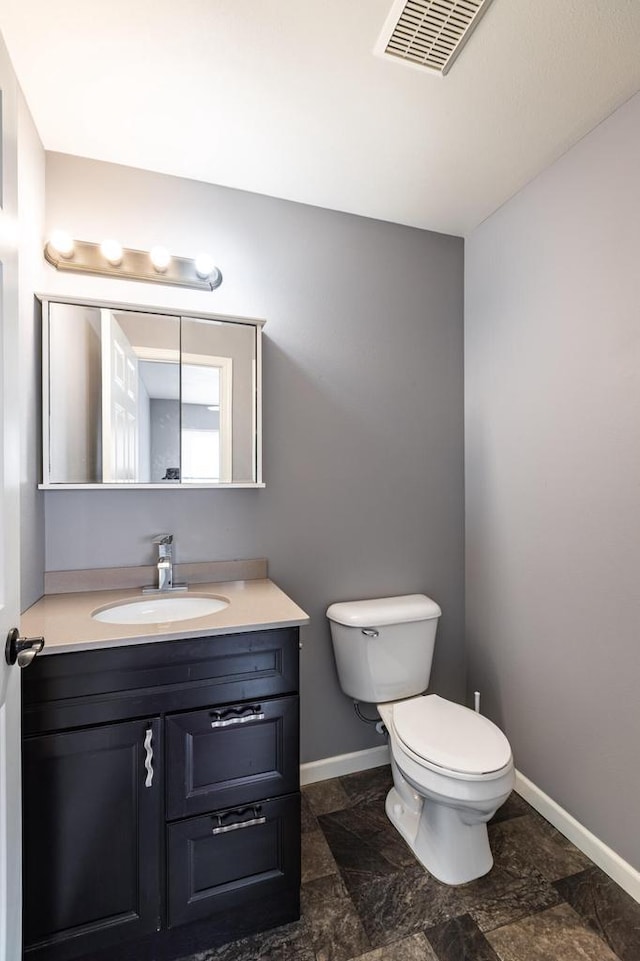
(65,622)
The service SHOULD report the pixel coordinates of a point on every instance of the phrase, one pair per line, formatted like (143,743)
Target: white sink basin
(160,610)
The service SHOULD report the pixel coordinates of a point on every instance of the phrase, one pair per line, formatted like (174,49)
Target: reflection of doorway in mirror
(155,340)
(200,455)
(159,447)
(119,403)
(206,435)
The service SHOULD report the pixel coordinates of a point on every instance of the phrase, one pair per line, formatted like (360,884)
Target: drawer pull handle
(148,761)
(221,828)
(224,828)
(235,715)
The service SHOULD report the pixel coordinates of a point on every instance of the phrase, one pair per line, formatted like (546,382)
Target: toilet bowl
(452,769)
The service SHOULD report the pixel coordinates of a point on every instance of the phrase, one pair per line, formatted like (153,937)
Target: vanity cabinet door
(92,838)
(232,754)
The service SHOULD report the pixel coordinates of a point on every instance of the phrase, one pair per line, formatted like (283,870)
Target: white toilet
(452,768)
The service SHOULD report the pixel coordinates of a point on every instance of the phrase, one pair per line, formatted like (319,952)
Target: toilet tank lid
(384,610)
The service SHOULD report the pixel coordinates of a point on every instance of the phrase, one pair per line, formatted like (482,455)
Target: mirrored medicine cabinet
(144,398)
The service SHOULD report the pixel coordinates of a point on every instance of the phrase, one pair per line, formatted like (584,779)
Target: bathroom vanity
(160,777)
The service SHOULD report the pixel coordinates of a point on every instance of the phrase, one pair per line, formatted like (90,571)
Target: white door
(119,403)
(10,827)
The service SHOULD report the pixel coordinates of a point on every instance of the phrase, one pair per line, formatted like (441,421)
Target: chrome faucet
(164,543)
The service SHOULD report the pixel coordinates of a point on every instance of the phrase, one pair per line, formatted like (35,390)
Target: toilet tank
(384,647)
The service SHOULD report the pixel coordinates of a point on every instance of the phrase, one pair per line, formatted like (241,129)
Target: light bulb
(111,250)
(204,266)
(160,258)
(62,243)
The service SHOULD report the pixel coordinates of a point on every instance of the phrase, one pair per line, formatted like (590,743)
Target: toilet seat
(449,737)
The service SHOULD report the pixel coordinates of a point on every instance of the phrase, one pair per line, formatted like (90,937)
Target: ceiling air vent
(429,34)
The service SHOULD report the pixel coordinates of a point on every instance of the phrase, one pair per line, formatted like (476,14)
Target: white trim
(341,764)
(611,863)
(159,355)
(257,407)
(131,486)
(146,308)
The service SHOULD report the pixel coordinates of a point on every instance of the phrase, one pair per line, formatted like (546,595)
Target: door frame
(10,423)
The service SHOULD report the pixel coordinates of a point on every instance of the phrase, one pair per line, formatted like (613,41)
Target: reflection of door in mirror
(119,403)
(155,342)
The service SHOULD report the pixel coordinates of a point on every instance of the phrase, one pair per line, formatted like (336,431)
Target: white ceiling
(284,97)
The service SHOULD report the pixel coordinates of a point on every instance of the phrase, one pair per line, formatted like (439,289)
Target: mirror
(137,398)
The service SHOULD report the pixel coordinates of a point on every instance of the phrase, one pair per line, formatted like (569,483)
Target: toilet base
(451,850)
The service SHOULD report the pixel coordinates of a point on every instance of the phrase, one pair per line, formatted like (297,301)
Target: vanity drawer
(231,754)
(97,687)
(232,858)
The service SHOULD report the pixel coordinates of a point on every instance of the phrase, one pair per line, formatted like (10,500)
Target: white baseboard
(342,764)
(611,863)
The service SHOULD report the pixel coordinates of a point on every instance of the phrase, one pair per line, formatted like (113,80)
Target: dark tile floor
(365,897)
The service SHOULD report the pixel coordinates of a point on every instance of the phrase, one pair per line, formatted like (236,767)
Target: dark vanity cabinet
(161,796)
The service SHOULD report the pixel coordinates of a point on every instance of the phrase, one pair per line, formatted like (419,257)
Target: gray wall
(553,477)
(363,408)
(75,394)
(164,420)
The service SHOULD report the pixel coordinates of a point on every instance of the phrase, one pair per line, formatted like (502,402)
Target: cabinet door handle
(221,828)
(148,761)
(236,715)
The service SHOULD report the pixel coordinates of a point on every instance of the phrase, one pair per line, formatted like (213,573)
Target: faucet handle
(164,543)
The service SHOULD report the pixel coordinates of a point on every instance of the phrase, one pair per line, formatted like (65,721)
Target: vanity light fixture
(160,258)
(112,260)
(111,250)
(62,243)
(204,266)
